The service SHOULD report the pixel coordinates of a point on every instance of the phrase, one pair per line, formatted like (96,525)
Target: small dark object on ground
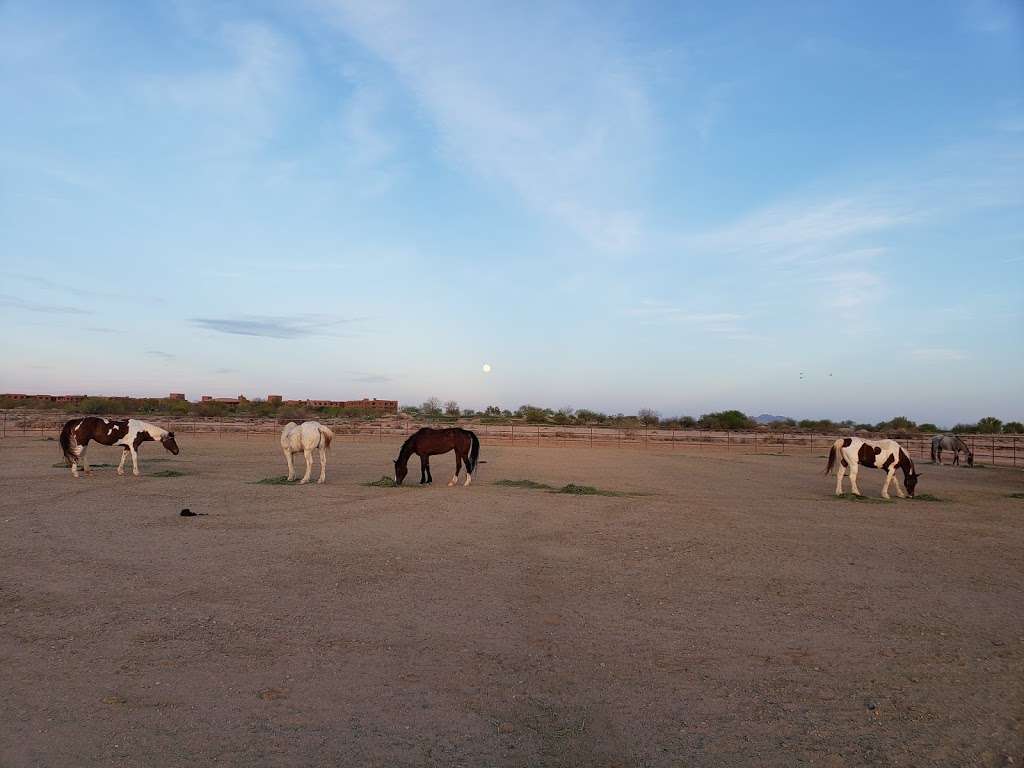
(186,512)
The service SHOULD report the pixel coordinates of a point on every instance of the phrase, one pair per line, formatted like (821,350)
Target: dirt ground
(737,615)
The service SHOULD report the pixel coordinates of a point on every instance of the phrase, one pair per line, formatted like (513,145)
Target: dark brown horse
(129,434)
(429,442)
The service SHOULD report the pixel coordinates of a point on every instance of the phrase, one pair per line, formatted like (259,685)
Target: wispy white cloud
(938,354)
(850,294)
(538,103)
(654,312)
(801,231)
(238,104)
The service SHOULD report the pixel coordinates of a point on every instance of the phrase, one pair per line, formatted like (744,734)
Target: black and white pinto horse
(129,434)
(850,453)
(952,443)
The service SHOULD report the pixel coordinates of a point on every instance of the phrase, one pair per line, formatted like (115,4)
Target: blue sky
(677,206)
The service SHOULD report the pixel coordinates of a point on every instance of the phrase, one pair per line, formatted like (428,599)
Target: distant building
(274,399)
(224,400)
(176,396)
(43,398)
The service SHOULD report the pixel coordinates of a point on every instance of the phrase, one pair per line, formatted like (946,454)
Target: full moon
(487,367)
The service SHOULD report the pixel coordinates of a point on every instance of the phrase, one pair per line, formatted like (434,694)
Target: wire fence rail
(991,450)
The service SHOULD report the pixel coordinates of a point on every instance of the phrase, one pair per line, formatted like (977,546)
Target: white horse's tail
(327,435)
(834,451)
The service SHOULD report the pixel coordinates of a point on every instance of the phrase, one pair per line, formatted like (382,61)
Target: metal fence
(993,450)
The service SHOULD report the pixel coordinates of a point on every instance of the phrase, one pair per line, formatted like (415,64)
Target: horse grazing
(428,442)
(952,443)
(303,439)
(127,433)
(880,454)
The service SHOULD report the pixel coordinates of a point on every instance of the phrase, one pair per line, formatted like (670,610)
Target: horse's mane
(409,440)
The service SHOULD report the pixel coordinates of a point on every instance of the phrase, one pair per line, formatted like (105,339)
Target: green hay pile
(279,480)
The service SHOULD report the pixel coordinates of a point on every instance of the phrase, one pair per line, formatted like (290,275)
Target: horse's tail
(832,453)
(65,444)
(474,452)
(327,435)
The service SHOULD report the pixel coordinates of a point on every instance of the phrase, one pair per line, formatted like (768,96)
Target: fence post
(538,436)
(993,450)
(513,434)
(591,437)
(783,442)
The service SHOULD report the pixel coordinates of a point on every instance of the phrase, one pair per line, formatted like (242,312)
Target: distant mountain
(767,418)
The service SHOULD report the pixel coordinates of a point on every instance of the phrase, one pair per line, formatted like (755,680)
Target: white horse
(303,439)
(853,452)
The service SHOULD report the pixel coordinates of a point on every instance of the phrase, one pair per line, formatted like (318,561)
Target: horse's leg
(469,477)
(85,461)
(956,458)
(889,475)
(896,484)
(135,461)
(853,480)
(124,455)
(291,463)
(458,468)
(323,464)
(840,471)
(423,470)
(308,454)
(430,476)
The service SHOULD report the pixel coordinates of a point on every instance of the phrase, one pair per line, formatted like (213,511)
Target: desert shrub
(928,427)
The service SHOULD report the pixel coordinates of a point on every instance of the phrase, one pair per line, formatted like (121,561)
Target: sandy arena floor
(736,616)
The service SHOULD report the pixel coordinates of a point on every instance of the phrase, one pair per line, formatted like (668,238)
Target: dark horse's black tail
(474,453)
(65,444)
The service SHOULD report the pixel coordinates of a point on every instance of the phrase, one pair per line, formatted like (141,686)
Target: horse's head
(401,470)
(167,441)
(912,482)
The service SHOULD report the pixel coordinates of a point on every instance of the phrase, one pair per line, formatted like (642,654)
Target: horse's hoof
(303,482)
(320,482)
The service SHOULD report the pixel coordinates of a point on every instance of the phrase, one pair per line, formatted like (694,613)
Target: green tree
(725,420)
(1013,428)
(928,427)
(649,417)
(989,425)
(896,424)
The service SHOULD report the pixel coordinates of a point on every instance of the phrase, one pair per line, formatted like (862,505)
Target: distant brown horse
(428,442)
(128,434)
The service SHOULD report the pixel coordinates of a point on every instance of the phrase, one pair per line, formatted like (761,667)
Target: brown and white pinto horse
(853,452)
(429,442)
(129,434)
